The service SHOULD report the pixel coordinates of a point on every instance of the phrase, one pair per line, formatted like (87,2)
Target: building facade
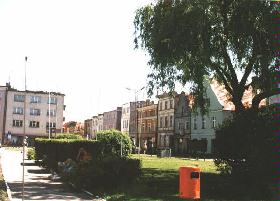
(147,125)
(99,122)
(42,112)
(165,120)
(182,124)
(129,119)
(94,127)
(88,128)
(3,109)
(112,119)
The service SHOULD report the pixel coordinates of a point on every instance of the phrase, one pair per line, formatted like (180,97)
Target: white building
(40,110)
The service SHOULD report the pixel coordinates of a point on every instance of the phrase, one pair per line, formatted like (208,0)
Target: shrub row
(110,172)
(110,142)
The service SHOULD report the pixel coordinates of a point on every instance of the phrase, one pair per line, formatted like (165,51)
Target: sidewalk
(37,186)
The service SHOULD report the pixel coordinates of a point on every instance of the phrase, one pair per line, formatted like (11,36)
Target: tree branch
(216,67)
(257,99)
(249,67)
(230,66)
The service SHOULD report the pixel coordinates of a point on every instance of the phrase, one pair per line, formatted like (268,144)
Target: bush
(107,173)
(68,136)
(31,154)
(244,148)
(52,151)
(113,140)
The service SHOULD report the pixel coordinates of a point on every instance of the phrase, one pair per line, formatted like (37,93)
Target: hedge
(108,173)
(51,151)
(110,142)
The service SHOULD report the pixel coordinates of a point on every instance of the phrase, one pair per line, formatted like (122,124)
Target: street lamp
(136,91)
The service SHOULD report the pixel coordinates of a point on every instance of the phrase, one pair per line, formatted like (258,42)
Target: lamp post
(24,134)
(136,91)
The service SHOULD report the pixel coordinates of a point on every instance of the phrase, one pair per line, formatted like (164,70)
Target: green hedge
(110,173)
(68,136)
(110,142)
(54,150)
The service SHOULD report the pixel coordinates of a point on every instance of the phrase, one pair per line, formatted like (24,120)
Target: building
(129,119)
(147,125)
(3,110)
(166,120)
(42,112)
(94,126)
(220,108)
(182,122)
(112,119)
(100,122)
(88,128)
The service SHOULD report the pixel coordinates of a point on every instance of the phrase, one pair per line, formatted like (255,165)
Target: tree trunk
(237,100)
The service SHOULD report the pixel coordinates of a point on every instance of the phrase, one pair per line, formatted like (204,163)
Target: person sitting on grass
(83,155)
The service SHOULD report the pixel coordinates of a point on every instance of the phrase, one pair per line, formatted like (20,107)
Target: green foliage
(31,154)
(107,173)
(51,151)
(193,39)
(114,140)
(68,136)
(244,148)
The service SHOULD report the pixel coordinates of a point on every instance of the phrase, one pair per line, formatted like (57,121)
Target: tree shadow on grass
(156,184)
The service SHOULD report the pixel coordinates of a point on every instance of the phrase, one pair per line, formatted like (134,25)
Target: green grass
(160,181)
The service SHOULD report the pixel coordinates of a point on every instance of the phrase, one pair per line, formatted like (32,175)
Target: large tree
(190,39)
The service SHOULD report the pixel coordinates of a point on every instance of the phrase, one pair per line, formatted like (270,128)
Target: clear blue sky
(82,48)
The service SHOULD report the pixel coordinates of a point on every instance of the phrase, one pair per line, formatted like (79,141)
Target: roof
(224,97)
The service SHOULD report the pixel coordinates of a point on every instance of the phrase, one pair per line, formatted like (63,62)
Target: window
(203,123)
(194,124)
(149,127)
(35,99)
(182,111)
(161,122)
(35,112)
(166,122)
(51,112)
(214,122)
(160,106)
(19,98)
(51,125)
(187,125)
(143,128)
(180,126)
(34,124)
(165,104)
(18,110)
(52,100)
(171,104)
(171,121)
(17,123)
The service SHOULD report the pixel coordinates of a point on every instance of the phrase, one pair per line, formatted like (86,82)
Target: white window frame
(18,110)
(35,112)
(35,99)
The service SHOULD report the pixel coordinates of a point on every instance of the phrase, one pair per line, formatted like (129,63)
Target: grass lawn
(160,181)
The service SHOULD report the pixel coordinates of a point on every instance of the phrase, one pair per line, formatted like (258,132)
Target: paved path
(38,186)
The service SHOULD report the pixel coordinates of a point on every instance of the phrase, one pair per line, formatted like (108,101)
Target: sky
(81,48)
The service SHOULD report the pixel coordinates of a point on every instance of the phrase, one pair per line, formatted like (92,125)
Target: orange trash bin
(189,184)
